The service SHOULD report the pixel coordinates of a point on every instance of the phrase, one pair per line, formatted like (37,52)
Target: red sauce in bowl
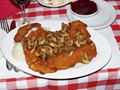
(84,7)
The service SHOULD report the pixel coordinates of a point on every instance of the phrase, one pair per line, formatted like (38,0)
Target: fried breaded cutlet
(47,51)
(22,31)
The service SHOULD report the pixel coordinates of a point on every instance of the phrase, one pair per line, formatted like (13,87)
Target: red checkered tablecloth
(107,79)
(35,11)
(116,25)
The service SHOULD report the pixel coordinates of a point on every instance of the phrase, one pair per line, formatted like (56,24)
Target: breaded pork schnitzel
(47,51)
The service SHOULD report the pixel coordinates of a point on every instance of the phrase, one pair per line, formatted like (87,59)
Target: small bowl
(86,15)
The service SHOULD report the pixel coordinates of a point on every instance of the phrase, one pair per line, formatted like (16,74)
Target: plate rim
(51,75)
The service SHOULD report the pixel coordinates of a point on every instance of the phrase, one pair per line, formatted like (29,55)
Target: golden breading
(78,26)
(47,52)
(22,31)
(61,61)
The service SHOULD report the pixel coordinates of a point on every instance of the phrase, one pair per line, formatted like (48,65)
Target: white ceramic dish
(102,58)
(51,5)
(2,36)
(102,19)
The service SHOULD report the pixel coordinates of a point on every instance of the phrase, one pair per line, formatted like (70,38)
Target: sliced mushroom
(60,39)
(59,44)
(80,37)
(69,53)
(85,58)
(69,42)
(49,51)
(43,49)
(38,54)
(35,45)
(29,43)
(83,41)
(44,57)
(78,33)
(80,40)
(52,44)
(55,50)
(77,43)
(52,39)
(49,34)
(41,41)
(64,27)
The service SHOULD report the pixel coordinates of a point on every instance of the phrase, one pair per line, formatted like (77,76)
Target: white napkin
(2,36)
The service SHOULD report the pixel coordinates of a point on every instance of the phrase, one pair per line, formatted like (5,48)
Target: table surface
(107,78)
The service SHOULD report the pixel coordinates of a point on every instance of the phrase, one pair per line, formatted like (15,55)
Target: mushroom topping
(55,43)
(68,42)
(49,51)
(49,33)
(79,39)
(64,27)
(41,41)
(52,39)
(78,44)
(41,55)
(29,43)
(35,45)
(85,58)
(69,53)
(52,44)
(45,52)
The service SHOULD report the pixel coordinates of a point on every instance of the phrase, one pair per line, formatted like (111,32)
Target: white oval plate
(102,58)
(51,5)
(102,19)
